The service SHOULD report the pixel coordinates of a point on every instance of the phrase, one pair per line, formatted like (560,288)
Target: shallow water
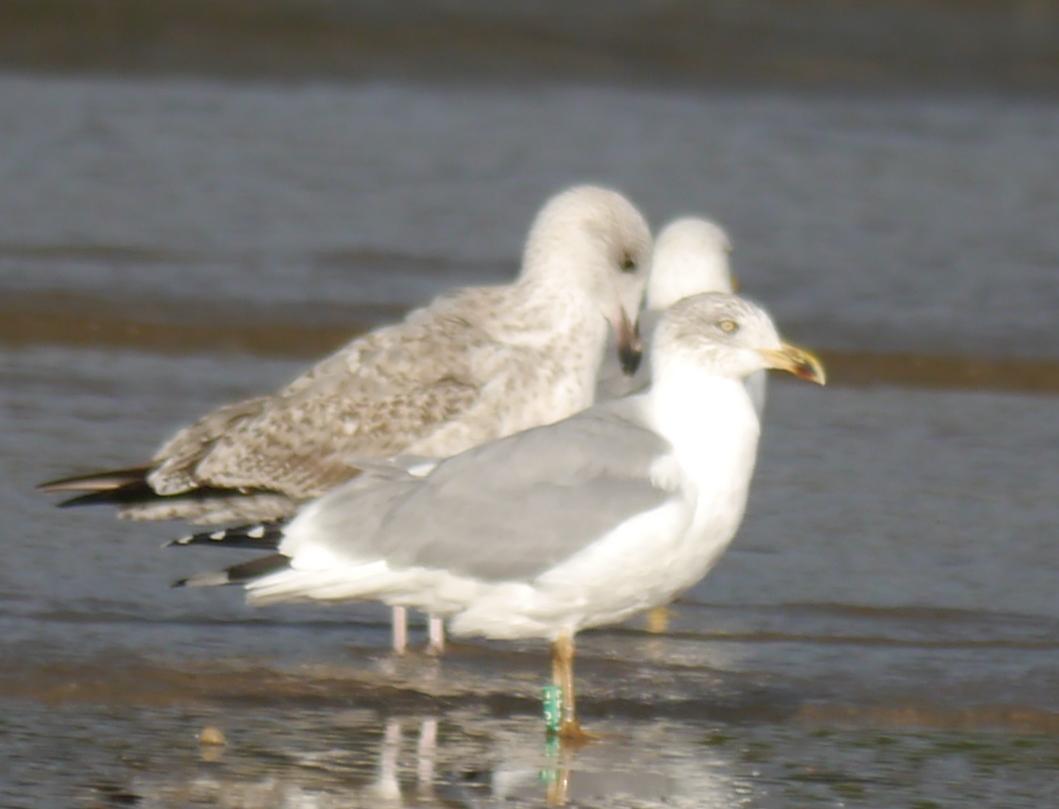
(884,630)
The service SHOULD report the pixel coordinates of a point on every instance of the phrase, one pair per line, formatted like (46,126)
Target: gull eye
(628,264)
(728,326)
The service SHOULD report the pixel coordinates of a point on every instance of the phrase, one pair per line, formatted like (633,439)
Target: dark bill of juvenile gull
(578,524)
(475,365)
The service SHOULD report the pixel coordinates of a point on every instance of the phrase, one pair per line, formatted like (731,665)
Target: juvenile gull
(691,255)
(556,529)
(474,365)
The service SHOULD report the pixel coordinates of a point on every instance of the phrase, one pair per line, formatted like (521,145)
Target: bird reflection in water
(550,779)
(410,761)
(387,783)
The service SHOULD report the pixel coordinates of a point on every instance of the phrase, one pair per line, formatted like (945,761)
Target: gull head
(726,335)
(593,241)
(690,256)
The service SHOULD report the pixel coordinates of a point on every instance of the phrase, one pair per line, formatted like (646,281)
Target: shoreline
(73,321)
(874,44)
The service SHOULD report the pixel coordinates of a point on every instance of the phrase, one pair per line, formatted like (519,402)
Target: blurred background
(197,198)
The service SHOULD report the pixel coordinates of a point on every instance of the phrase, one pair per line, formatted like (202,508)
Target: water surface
(882,633)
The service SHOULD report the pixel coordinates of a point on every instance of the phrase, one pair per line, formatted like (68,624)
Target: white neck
(713,428)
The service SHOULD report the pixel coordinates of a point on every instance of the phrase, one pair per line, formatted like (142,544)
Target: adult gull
(474,365)
(691,255)
(545,533)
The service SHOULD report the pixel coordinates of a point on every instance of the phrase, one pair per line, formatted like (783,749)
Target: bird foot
(571,733)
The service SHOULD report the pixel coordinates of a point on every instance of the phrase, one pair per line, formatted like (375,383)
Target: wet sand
(69,320)
(366,747)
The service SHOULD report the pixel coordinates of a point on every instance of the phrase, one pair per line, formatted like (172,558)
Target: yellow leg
(658,620)
(563,676)
(557,667)
(557,789)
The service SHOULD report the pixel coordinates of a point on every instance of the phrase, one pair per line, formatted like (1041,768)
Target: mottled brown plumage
(474,365)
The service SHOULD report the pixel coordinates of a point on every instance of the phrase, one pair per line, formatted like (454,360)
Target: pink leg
(426,749)
(400,630)
(436,635)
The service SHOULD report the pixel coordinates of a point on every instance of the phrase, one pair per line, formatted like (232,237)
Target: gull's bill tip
(630,345)
(802,363)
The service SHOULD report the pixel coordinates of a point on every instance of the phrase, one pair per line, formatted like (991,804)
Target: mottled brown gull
(474,365)
(577,524)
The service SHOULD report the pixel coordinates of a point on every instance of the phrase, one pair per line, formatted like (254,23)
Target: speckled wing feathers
(375,397)
(176,459)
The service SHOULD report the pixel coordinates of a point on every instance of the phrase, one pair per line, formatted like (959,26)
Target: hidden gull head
(690,256)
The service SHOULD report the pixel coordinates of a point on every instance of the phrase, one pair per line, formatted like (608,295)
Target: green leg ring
(553,712)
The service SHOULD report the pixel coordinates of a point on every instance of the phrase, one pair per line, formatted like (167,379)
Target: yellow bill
(803,364)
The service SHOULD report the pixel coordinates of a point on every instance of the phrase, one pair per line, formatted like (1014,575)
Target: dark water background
(885,631)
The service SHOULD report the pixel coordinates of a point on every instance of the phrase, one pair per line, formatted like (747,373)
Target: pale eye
(728,326)
(628,264)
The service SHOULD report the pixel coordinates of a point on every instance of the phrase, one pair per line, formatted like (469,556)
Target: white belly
(643,563)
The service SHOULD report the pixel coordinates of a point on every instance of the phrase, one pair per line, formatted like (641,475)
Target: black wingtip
(111,498)
(136,492)
(256,536)
(95,481)
(236,574)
